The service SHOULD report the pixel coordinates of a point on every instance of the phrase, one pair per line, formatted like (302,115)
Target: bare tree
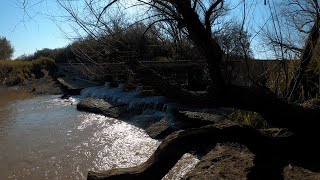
(234,41)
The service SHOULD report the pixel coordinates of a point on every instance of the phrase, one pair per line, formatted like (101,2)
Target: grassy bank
(15,72)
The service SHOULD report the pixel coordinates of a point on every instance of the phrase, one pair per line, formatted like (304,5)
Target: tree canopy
(6,49)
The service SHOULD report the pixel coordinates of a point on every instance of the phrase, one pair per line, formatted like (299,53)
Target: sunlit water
(45,137)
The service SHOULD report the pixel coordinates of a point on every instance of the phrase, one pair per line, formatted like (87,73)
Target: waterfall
(134,99)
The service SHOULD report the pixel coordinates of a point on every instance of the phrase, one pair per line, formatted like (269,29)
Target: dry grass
(15,72)
(249,118)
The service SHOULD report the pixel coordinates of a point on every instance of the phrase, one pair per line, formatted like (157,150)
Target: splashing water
(133,98)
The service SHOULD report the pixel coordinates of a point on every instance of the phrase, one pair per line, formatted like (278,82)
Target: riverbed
(45,137)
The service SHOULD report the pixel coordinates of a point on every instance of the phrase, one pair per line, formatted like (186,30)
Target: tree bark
(272,153)
(202,38)
(172,149)
(305,59)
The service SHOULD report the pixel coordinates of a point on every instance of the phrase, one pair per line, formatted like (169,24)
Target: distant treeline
(127,43)
(58,55)
(136,41)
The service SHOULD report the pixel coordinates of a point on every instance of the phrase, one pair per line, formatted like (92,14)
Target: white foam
(132,98)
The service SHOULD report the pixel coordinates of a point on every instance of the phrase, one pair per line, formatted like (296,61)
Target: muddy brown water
(44,137)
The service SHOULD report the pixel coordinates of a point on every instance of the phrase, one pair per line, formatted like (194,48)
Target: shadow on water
(7,97)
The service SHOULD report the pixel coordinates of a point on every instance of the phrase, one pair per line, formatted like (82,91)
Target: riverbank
(46,85)
(225,161)
(45,137)
(36,76)
(56,141)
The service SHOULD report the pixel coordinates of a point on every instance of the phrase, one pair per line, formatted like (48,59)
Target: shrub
(15,72)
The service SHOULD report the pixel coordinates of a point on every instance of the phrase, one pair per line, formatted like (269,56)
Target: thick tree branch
(305,59)
(208,14)
(179,143)
(285,45)
(198,34)
(105,8)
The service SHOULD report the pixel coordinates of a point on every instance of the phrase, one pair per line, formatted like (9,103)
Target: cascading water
(133,99)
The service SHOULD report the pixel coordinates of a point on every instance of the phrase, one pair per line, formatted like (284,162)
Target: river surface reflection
(45,137)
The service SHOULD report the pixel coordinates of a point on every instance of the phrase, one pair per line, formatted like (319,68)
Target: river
(45,137)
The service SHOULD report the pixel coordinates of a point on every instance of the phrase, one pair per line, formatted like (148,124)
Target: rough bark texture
(225,161)
(305,59)
(203,40)
(272,153)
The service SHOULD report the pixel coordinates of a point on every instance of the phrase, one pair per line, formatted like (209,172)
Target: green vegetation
(15,72)
(249,118)
(59,55)
(6,49)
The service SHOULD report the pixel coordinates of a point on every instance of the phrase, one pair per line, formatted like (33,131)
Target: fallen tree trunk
(179,143)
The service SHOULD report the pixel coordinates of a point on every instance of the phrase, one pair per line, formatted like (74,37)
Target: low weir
(134,99)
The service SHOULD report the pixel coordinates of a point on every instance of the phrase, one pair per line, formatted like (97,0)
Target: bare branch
(209,13)
(105,8)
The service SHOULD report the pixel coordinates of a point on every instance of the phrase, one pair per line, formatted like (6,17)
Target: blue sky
(28,34)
